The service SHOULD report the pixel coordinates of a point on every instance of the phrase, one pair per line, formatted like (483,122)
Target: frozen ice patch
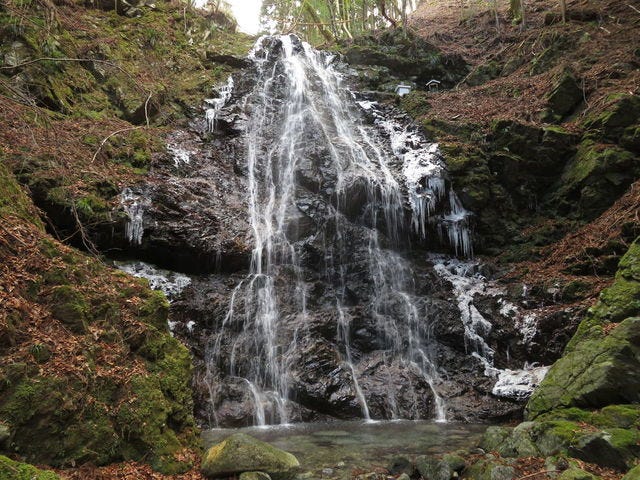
(519,384)
(170,283)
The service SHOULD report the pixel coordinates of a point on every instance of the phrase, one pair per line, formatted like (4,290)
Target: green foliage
(12,470)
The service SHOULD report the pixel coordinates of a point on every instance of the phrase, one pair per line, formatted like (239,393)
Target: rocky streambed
(342,449)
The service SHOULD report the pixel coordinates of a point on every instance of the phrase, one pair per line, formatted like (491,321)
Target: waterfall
(333,200)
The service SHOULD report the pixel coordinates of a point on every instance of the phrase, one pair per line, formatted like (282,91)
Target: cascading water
(332,202)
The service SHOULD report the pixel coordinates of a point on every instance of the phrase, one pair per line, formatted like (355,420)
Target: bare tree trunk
(404,13)
(328,36)
(523,12)
(563,9)
(495,12)
(383,11)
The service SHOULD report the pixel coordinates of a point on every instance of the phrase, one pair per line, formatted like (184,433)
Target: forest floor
(597,49)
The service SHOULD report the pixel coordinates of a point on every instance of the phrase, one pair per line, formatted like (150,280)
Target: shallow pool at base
(344,446)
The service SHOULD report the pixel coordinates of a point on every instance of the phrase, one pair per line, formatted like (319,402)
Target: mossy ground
(88,370)
(76,366)
(138,76)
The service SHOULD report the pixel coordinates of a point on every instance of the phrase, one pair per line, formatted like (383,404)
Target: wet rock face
(360,319)
(193,206)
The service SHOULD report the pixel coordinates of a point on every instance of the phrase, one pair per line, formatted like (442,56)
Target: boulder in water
(241,453)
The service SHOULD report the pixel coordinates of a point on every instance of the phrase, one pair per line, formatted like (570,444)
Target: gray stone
(433,469)
(400,465)
(494,437)
(502,472)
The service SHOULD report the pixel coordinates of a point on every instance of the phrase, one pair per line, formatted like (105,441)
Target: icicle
(216,104)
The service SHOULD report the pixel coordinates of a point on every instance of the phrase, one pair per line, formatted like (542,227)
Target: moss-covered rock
(613,448)
(489,469)
(600,369)
(14,200)
(433,468)
(71,308)
(242,453)
(623,112)
(633,474)
(254,476)
(565,95)
(594,179)
(12,470)
(574,473)
(483,73)
(595,372)
(405,55)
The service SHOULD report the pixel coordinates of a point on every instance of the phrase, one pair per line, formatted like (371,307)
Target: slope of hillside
(90,373)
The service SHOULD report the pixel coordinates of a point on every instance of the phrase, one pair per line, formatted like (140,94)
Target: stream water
(335,450)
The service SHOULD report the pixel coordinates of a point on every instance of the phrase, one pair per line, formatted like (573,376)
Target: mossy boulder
(574,473)
(405,55)
(599,367)
(565,95)
(5,433)
(433,468)
(490,469)
(493,437)
(613,448)
(594,179)
(12,470)
(609,447)
(633,474)
(241,453)
(71,308)
(596,372)
(254,476)
(483,73)
(610,125)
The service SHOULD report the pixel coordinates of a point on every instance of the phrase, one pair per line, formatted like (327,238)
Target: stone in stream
(433,469)
(241,453)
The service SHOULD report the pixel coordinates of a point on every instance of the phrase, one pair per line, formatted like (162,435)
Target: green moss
(573,414)
(32,397)
(620,416)
(622,112)
(155,310)
(143,421)
(70,307)
(593,179)
(597,369)
(633,474)
(13,200)
(91,205)
(574,473)
(416,103)
(12,470)
(40,352)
